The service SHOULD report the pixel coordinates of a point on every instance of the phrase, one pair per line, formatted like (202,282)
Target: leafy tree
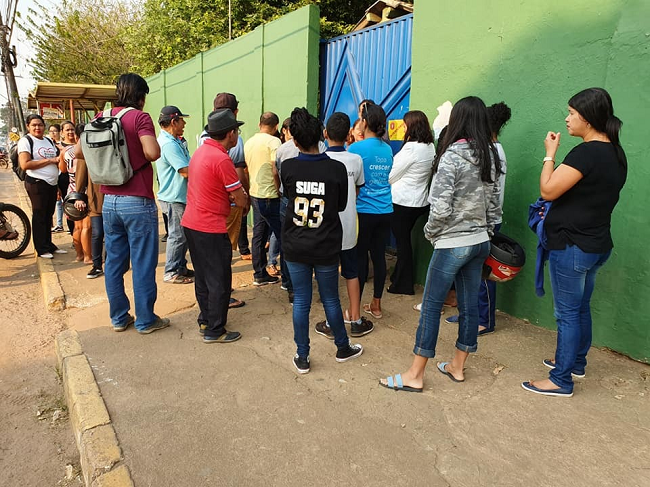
(172,31)
(83,41)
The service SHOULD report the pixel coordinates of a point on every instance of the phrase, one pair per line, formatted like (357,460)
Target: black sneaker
(348,352)
(301,364)
(227,337)
(263,281)
(291,297)
(322,328)
(94,273)
(361,327)
(202,327)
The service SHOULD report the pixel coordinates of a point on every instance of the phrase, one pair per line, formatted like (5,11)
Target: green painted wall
(274,68)
(535,56)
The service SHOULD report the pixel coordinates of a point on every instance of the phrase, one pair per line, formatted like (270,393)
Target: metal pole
(8,69)
(229,20)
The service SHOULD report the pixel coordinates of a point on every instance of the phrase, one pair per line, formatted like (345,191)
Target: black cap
(222,120)
(170,112)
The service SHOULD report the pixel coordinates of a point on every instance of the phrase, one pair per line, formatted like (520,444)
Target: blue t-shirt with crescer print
(374,197)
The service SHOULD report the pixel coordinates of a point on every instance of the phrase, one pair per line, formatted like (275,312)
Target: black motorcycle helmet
(506,259)
(70,210)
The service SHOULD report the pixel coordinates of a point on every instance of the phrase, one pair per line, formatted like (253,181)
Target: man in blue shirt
(172,170)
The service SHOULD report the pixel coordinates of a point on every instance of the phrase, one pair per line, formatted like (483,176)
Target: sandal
(346,317)
(397,384)
(8,235)
(442,369)
(178,279)
(367,309)
(236,303)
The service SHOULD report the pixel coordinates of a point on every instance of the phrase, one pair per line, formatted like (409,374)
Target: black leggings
(43,198)
(402,223)
(374,232)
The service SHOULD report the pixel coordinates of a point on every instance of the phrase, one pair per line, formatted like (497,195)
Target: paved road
(36,442)
(190,414)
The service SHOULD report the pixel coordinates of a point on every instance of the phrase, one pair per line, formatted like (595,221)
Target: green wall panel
(236,67)
(275,68)
(156,97)
(535,56)
(183,88)
(290,73)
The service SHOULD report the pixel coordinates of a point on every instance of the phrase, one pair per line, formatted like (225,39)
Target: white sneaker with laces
(46,255)
(60,251)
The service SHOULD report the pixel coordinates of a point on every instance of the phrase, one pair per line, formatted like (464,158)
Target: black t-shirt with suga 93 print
(317,189)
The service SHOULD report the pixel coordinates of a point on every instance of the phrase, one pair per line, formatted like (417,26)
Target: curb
(52,290)
(100,453)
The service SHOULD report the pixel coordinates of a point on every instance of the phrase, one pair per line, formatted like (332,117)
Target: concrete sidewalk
(191,414)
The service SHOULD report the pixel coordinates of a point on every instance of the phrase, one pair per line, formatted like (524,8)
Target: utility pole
(7,67)
(229,20)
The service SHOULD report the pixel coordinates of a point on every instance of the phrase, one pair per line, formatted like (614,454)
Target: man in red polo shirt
(212,185)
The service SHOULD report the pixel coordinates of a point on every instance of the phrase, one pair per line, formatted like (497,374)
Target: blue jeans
(131,230)
(266,219)
(327,277)
(274,250)
(487,300)
(97,242)
(573,277)
(175,258)
(462,266)
(284,269)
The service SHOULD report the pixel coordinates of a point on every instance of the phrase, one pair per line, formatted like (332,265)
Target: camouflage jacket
(464,209)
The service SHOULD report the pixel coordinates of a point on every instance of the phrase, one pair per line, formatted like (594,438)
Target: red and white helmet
(506,259)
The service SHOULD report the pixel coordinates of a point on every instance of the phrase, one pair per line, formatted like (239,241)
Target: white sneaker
(60,251)
(46,255)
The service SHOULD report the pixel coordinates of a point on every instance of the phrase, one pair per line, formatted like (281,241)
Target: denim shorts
(349,263)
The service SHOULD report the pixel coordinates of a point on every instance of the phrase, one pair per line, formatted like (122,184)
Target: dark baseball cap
(225,100)
(222,120)
(169,113)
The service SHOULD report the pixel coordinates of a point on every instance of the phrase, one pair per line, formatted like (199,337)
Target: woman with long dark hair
(584,190)
(374,203)
(39,158)
(409,179)
(464,208)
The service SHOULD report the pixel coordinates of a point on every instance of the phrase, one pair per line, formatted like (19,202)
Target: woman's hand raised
(551,143)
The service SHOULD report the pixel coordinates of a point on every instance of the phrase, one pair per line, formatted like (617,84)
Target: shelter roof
(84,97)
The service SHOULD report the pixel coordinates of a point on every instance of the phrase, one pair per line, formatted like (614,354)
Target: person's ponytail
(613,128)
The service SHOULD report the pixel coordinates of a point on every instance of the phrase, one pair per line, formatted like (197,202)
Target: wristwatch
(547,158)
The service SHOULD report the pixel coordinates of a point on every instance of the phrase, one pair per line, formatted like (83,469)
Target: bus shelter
(69,101)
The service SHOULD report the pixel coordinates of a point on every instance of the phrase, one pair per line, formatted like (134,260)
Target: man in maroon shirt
(213,184)
(131,216)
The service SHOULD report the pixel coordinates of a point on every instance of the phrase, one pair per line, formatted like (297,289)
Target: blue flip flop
(441,368)
(398,385)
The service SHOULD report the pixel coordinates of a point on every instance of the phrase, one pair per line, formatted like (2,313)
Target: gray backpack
(105,151)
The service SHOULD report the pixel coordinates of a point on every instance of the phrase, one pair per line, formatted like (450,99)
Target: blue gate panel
(374,63)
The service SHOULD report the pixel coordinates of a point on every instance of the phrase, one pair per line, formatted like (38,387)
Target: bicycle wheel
(4,163)
(14,219)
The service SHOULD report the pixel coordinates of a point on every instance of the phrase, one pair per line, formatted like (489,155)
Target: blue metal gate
(374,63)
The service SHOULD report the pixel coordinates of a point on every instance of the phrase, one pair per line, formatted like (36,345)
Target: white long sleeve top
(411,173)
